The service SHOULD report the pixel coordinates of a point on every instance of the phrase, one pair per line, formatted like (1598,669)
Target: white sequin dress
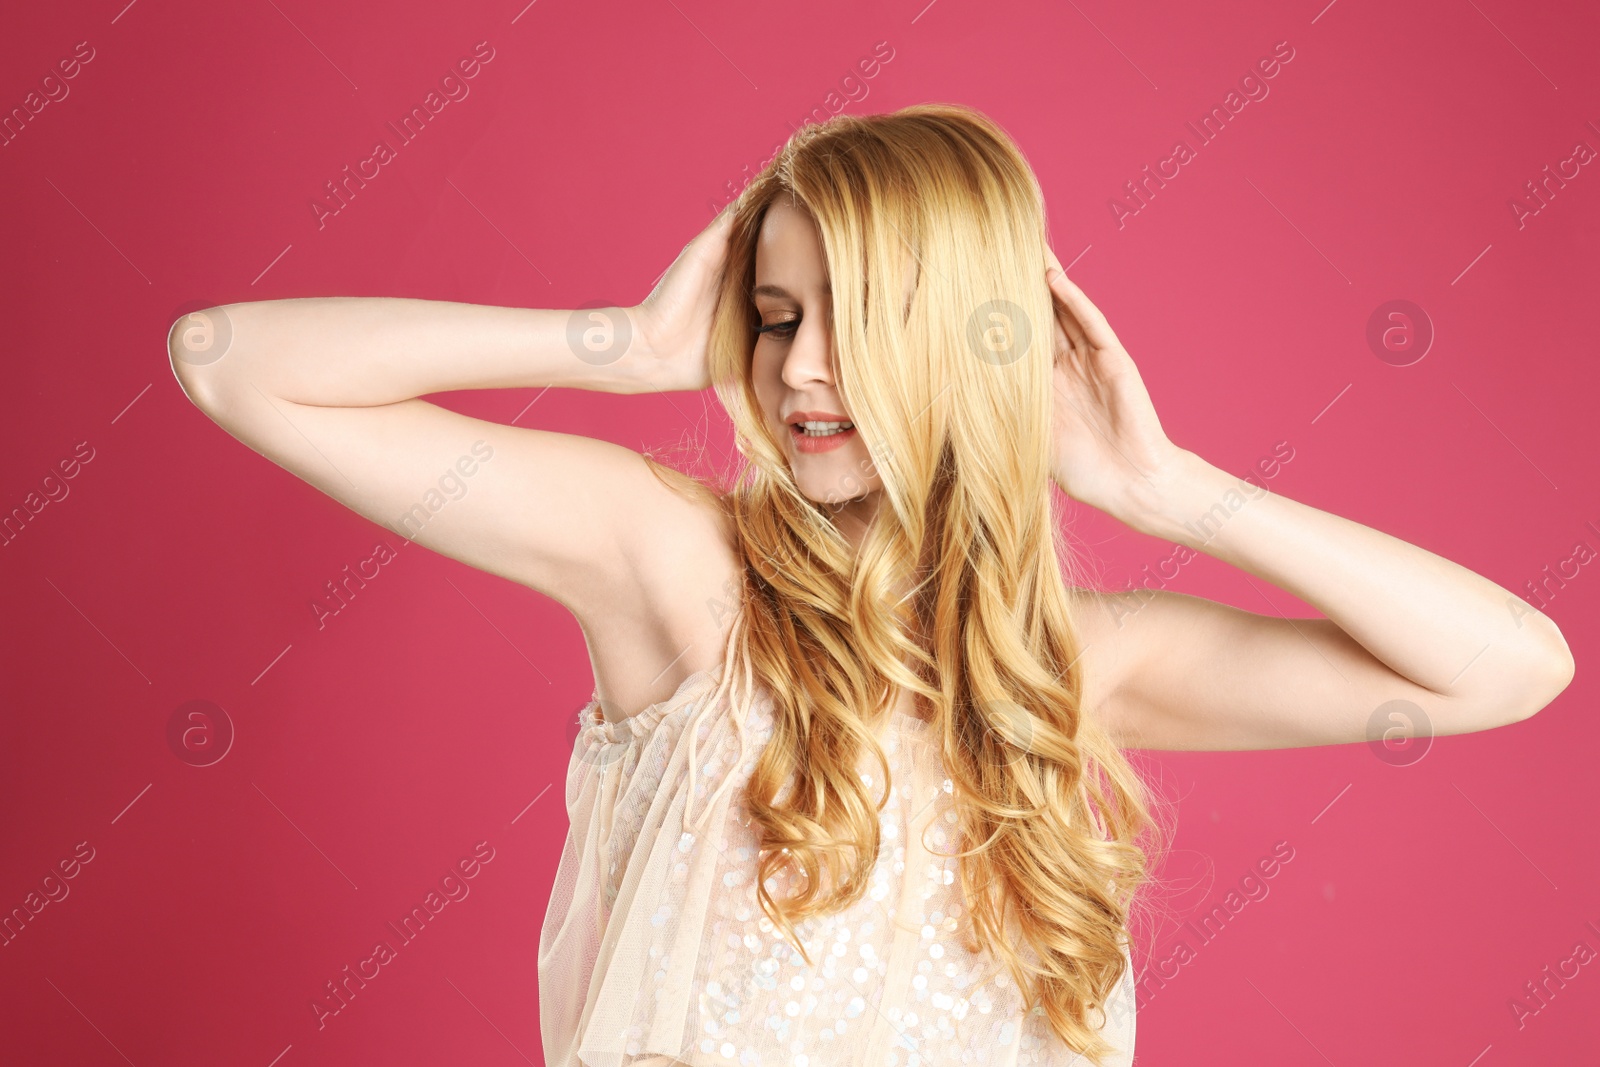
(655,951)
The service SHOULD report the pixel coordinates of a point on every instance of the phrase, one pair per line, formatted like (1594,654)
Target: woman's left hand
(1110,451)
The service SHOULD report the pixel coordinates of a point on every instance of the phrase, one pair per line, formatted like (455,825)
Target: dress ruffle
(654,944)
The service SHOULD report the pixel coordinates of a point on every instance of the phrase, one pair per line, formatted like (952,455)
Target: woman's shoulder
(695,523)
(683,588)
(1106,644)
(697,498)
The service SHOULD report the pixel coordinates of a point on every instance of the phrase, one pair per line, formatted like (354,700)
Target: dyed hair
(949,385)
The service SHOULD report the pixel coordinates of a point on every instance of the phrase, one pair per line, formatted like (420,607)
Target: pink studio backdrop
(1438,153)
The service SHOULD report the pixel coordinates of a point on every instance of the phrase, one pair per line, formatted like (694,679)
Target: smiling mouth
(821,429)
(809,438)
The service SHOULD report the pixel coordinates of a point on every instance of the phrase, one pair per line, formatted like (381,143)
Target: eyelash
(791,325)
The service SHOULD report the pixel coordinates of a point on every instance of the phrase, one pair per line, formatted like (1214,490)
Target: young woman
(850,789)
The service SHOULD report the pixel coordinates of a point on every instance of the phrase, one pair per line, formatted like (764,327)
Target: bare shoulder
(1109,650)
(668,617)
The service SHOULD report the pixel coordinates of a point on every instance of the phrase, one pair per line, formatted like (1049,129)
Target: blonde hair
(950,388)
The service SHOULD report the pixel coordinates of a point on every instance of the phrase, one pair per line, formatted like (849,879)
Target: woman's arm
(329,389)
(1401,624)
(1171,671)
(367,351)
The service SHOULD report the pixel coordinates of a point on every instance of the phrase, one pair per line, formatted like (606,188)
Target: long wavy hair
(959,590)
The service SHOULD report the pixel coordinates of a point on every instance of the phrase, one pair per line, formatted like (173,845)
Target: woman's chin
(832,495)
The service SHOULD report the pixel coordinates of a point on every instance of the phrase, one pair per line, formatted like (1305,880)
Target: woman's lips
(807,443)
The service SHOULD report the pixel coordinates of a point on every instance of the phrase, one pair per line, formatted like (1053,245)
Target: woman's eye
(782,330)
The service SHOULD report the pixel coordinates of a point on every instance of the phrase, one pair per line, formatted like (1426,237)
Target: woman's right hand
(673,323)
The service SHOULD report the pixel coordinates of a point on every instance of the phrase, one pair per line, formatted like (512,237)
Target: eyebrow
(781,293)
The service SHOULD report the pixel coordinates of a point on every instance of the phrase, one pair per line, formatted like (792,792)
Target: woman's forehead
(789,253)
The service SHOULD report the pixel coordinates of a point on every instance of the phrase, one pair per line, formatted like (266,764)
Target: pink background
(431,713)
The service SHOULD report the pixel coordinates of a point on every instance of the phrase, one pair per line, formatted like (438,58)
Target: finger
(710,245)
(1094,323)
(1067,321)
(715,230)
(1054,270)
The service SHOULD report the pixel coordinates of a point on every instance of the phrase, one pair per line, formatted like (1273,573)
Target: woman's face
(794,371)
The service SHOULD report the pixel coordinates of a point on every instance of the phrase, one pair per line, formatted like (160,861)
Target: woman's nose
(810,357)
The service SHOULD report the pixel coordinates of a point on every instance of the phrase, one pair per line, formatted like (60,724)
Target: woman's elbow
(1550,681)
(196,341)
